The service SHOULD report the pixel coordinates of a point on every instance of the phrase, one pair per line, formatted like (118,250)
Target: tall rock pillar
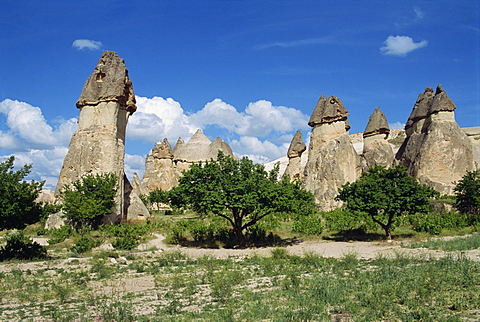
(332,159)
(98,145)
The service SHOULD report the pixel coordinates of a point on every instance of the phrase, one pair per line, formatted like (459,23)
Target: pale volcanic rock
(294,154)
(196,149)
(164,166)
(473,134)
(98,145)
(332,159)
(376,149)
(438,153)
(160,172)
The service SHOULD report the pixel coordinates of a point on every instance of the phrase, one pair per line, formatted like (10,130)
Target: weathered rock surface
(164,166)
(436,151)
(473,134)
(98,145)
(376,149)
(294,154)
(332,159)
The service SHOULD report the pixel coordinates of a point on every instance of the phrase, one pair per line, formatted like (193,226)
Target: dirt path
(365,250)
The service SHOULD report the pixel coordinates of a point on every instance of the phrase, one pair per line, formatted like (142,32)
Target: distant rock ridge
(98,145)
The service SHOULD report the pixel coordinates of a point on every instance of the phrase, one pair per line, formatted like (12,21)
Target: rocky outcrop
(436,151)
(332,159)
(473,134)
(160,172)
(376,149)
(164,166)
(98,146)
(294,154)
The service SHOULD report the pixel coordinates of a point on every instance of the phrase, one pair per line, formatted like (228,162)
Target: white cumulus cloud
(87,44)
(396,125)
(400,45)
(257,150)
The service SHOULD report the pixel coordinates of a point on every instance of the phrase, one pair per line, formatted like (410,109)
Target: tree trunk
(242,243)
(388,233)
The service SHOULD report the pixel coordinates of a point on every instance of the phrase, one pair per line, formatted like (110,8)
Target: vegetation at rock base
(89,199)
(384,195)
(467,196)
(239,191)
(17,197)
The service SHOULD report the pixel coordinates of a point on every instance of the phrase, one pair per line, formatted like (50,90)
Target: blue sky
(250,71)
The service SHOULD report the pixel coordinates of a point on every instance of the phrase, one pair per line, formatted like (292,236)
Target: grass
(280,287)
(456,244)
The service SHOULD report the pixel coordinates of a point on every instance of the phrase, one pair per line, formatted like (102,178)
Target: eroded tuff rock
(106,103)
(294,154)
(376,149)
(436,151)
(332,159)
(473,133)
(164,166)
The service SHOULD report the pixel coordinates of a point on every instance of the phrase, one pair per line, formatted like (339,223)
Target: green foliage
(467,195)
(128,236)
(17,197)
(89,199)
(58,235)
(434,223)
(239,191)
(456,244)
(19,246)
(385,195)
(308,225)
(157,197)
(85,243)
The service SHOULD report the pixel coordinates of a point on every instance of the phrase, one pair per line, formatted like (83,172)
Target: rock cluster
(376,149)
(98,146)
(436,151)
(332,159)
(164,166)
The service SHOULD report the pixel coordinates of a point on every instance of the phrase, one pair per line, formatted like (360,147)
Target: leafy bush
(20,246)
(308,225)
(128,236)
(434,223)
(85,244)
(17,197)
(89,199)
(58,235)
(342,220)
(467,195)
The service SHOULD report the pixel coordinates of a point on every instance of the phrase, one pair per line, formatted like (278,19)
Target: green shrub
(434,223)
(85,243)
(308,225)
(128,236)
(19,246)
(89,199)
(341,220)
(58,235)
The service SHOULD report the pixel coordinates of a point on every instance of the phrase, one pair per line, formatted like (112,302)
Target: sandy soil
(334,249)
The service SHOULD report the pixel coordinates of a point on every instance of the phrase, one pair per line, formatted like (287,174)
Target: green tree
(385,195)
(89,199)
(467,195)
(17,197)
(239,191)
